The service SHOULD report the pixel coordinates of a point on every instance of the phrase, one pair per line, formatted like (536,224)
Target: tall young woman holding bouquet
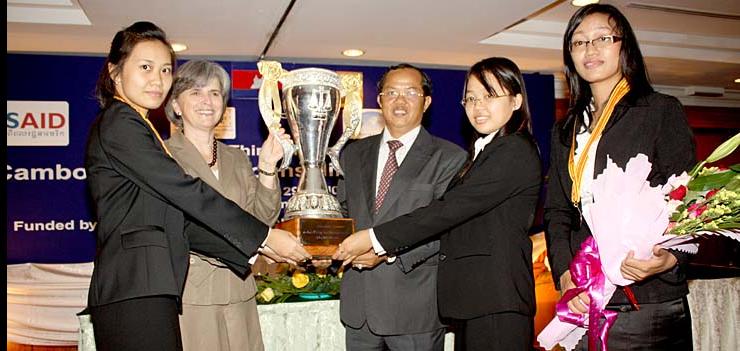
(485,278)
(615,113)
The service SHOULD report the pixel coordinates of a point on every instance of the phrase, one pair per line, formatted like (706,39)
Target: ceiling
(686,43)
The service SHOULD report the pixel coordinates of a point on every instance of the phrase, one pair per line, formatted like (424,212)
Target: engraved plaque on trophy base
(319,236)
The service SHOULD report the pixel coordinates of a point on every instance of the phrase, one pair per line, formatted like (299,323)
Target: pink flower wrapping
(627,214)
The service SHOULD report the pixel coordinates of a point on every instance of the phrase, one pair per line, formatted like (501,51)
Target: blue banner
(51,105)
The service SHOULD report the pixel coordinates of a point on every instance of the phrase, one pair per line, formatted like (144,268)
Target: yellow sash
(148,122)
(576,169)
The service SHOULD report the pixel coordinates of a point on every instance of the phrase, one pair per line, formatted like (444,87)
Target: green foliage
(725,149)
(722,151)
(279,288)
(712,202)
(713,181)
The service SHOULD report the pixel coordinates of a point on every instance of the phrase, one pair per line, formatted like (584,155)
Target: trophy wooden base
(320,236)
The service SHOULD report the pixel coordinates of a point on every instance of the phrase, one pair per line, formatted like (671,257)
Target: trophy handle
(270,106)
(351,115)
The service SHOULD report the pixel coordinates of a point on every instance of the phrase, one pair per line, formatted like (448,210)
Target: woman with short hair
(219,311)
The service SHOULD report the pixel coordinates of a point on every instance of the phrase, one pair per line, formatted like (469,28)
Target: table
(42,300)
(307,326)
(715,314)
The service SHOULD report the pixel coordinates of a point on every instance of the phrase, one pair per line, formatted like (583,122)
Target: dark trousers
(507,331)
(656,326)
(364,339)
(146,323)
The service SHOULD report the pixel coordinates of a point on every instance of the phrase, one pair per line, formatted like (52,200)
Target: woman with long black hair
(614,112)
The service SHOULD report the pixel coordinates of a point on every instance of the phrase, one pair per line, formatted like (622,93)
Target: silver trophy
(311,100)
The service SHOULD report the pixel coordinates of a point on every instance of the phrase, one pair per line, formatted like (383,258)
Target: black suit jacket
(485,251)
(654,125)
(150,213)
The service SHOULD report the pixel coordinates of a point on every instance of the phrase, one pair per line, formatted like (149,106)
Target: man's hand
(285,246)
(353,246)
(578,304)
(638,270)
(368,260)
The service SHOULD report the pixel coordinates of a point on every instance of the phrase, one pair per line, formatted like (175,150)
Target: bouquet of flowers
(629,215)
(707,199)
(309,285)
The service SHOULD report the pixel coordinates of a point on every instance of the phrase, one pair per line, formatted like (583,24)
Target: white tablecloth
(715,314)
(302,326)
(307,326)
(44,298)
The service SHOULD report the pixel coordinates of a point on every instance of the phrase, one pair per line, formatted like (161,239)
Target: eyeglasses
(598,43)
(409,94)
(471,101)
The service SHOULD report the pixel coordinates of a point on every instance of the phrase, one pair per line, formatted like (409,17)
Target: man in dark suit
(391,302)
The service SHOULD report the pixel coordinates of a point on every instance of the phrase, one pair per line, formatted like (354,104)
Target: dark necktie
(390,168)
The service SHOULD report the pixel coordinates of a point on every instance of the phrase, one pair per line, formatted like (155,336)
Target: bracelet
(262,171)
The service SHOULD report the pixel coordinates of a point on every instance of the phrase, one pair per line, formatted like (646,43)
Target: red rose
(678,193)
(711,193)
(696,209)
(701,210)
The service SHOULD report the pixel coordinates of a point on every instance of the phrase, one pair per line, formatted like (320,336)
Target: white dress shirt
(407,140)
(482,142)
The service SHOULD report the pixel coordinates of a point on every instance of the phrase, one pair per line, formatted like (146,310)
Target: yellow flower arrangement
(297,284)
(299,279)
(266,295)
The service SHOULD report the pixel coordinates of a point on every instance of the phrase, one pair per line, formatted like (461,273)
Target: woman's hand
(578,304)
(638,270)
(282,246)
(271,151)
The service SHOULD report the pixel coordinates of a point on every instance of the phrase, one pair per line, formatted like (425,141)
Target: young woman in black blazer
(485,259)
(613,104)
(150,213)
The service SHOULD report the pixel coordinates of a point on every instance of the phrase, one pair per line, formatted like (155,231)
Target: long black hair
(120,49)
(631,64)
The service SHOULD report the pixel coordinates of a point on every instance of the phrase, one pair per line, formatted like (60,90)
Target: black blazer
(485,252)
(150,214)
(654,125)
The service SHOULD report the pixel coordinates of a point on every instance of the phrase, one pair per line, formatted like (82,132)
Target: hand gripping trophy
(311,101)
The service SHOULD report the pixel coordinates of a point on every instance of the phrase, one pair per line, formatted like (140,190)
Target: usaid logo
(38,123)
